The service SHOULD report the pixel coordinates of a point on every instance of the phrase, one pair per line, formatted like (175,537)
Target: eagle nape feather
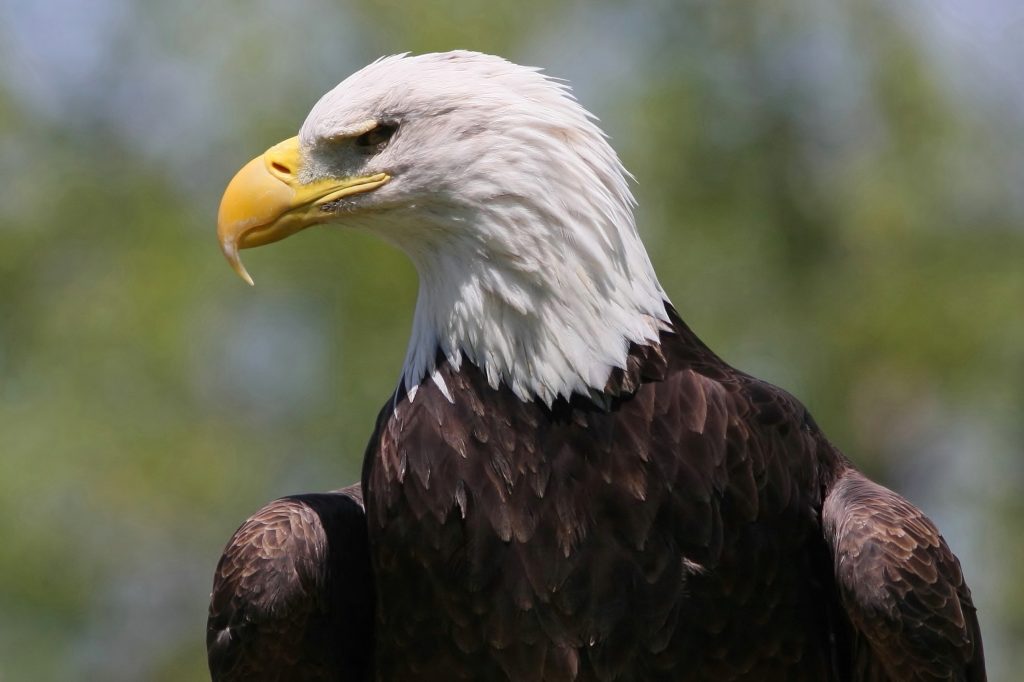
(293,594)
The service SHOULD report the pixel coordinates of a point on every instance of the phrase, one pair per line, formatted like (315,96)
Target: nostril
(281,168)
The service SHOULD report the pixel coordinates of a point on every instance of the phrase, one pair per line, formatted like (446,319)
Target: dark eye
(375,140)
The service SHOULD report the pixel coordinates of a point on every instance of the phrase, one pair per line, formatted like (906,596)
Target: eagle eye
(373,141)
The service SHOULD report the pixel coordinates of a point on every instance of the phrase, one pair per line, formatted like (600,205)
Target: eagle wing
(901,586)
(293,595)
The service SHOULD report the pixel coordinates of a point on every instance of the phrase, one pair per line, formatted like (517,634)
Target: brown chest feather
(596,539)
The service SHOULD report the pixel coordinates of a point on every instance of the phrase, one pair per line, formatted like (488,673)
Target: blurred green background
(833,195)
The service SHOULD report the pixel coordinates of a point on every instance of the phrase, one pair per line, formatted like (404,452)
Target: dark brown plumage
(693,523)
(902,588)
(292,598)
(697,525)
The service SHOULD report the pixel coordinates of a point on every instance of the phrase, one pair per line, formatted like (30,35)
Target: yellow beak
(265,201)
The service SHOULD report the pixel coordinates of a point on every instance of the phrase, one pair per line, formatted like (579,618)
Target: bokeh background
(833,194)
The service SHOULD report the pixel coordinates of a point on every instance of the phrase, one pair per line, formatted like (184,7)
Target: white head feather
(514,209)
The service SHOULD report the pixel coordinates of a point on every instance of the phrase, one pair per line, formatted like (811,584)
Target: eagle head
(503,192)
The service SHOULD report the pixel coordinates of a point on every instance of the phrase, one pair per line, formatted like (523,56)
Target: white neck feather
(565,340)
(544,286)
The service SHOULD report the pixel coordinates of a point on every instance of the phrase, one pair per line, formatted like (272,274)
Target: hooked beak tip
(230,249)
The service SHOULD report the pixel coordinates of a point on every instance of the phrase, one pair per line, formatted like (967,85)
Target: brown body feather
(672,531)
(692,523)
(292,598)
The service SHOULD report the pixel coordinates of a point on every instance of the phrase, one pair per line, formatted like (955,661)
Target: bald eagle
(567,484)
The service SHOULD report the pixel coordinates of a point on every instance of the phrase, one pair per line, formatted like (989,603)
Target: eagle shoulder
(901,586)
(293,593)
